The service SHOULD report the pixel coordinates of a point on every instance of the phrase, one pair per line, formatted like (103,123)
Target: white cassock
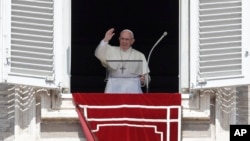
(124,68)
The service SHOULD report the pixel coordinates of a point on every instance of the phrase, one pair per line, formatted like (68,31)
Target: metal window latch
(202,81)
(8,60)
(50,78)
(246,53)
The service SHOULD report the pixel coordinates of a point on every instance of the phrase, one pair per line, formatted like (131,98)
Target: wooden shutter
(218,46)
(36,42)
(32,38)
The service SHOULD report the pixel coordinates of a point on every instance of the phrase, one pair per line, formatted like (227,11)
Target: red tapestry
(129,117)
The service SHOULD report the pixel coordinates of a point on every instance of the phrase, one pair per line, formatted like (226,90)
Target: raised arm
(101,49)
(108,35)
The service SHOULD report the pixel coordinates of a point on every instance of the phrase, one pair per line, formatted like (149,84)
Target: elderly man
(127,68)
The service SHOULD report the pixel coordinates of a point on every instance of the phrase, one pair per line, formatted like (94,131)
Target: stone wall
(7,112)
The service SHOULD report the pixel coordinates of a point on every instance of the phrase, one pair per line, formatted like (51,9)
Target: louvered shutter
(37,51)
(32,38)
(219,33)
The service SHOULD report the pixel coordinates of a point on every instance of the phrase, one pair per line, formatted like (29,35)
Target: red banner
(129,117)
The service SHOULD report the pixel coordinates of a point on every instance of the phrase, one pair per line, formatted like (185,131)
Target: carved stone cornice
(226,99)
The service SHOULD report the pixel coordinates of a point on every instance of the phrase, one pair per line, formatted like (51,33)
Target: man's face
(126,40)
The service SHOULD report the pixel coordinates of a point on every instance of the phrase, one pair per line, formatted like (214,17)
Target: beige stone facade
(41,114)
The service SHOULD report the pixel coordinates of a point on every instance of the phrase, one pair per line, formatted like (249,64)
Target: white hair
(131,32)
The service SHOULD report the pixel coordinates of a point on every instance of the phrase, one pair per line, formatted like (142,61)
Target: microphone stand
(147,77)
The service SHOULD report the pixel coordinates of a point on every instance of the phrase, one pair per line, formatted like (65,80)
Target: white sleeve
(100,51)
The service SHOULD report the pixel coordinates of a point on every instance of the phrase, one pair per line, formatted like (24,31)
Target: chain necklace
(124,61)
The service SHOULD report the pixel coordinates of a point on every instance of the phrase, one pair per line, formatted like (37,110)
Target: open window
(89,27)
(215,44)
(35,43)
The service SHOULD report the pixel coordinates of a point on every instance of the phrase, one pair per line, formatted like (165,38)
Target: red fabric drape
(120,123)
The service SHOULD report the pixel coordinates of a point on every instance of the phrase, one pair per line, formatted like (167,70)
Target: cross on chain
(122,69)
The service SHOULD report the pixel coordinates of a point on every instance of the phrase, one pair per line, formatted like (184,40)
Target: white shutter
(219,32)
(37,45)
(1,41)
(32,38)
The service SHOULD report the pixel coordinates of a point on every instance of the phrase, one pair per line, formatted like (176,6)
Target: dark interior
(147,19)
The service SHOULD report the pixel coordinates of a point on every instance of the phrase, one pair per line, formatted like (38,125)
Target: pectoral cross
(122,69)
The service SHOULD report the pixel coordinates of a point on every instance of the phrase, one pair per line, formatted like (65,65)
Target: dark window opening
(147,19)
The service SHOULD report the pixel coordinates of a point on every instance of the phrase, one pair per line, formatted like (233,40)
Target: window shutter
(32,38)
(37,51)
(218,46)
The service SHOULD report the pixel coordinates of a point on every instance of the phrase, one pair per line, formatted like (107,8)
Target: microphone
(162,36)
(164,33)
(156,43)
